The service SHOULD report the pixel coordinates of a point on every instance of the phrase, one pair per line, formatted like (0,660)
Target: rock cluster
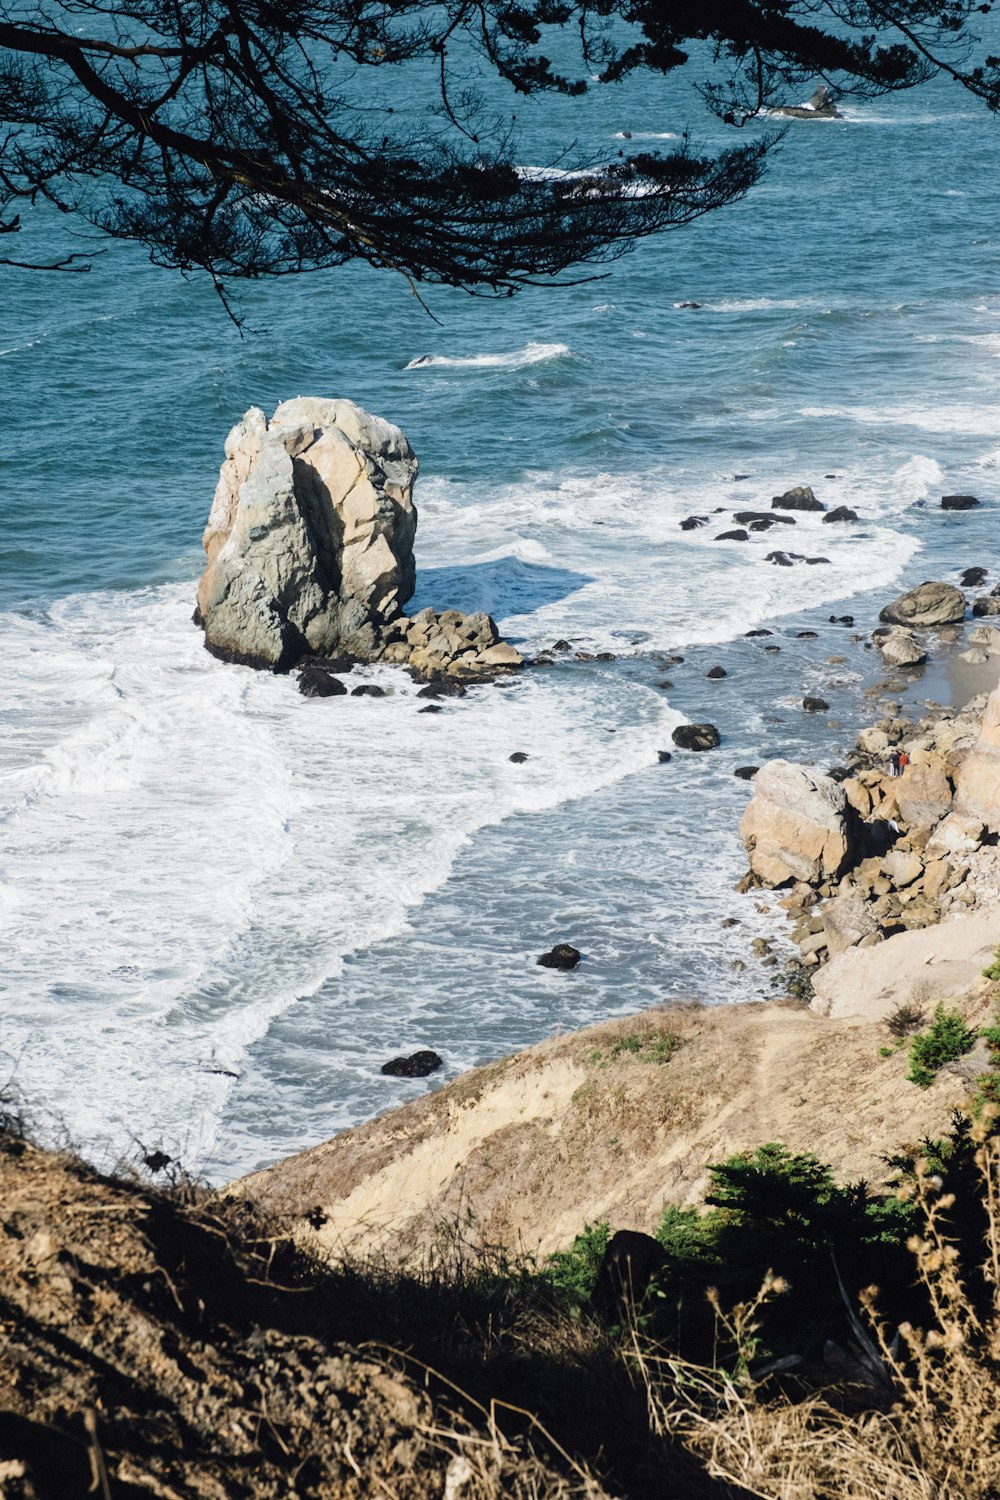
(874,854)
(310,551)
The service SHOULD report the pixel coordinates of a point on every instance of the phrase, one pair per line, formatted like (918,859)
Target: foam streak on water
(188,847)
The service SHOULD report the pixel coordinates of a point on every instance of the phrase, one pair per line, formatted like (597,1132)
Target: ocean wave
(968,419)
(517,359)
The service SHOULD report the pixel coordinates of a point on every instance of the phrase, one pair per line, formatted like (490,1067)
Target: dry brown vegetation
(159,1345)
(172,1345)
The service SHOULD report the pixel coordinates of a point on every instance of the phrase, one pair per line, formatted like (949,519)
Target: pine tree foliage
(249,138)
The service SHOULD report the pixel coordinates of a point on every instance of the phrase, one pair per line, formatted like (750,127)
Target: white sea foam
(964,417)
(646,135)
(192,847)
(517,359)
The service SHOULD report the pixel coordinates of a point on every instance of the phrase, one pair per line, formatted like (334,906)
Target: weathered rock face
(977,788)
(929,604)
(923,792)
(796,825)
(310,537)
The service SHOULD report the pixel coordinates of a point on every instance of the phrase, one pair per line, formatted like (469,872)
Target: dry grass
(934,1431)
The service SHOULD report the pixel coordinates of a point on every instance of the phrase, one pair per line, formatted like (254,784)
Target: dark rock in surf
(746,773)
(807,635)
(691,523)
(443,687)
(753,517)
(733,536)
(840,513)
(715,673)
(664,757)
(316,682)
(561,646)
(784,559)
(799,498)
(696,737)
(973,577)
(368,690)
(518,758)
(814,562)
(417,1065)
(990,605)
(959,502)
(430,708)
(562,956)
(815,705)
(753,634)
(819,106)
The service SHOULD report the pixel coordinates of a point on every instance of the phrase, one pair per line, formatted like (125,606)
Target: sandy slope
(580,1128)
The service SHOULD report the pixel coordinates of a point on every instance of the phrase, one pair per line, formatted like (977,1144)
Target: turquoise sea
(222,906)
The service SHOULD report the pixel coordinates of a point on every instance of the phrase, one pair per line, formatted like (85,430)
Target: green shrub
(947,1038)
(575,1270)
(993,971)
(649,1046)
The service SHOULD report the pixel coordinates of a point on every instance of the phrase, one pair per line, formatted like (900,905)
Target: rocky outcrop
(310,552)
(928,605)
(922,845)
(310,536)
(797,825)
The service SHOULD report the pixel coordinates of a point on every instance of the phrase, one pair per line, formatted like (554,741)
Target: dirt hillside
(615,1122)
(150,1348)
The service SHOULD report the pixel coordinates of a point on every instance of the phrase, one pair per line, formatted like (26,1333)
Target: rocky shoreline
(872,849)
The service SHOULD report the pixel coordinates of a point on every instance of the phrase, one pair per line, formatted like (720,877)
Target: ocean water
(223,906)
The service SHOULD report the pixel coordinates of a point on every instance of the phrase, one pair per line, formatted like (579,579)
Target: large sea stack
(310,536)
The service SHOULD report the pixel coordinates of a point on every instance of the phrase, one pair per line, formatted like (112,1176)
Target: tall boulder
(797,826)
(310,536)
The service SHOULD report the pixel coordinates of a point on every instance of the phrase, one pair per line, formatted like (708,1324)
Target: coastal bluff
(309,547)
(615,1122)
